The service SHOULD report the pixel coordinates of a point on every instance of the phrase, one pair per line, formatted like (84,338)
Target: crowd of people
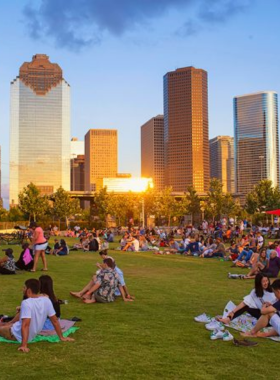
(244,246)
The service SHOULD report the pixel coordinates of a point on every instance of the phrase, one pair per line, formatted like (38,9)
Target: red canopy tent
(273,212)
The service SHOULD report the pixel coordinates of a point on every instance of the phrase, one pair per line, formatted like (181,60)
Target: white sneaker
(203,318)
(227,336)
(217,334)
(215,325)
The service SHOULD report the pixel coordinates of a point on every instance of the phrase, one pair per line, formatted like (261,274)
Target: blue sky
(115,53)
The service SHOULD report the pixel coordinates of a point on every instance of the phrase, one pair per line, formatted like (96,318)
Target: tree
(117,207)
(101,202)
(3,213)
(215,199)
(31,202)
(263,197)
(63,205)
(167,204)
(229,206)
(192,201)
(16,215)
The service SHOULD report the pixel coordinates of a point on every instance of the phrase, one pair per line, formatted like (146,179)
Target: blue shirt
(121,280)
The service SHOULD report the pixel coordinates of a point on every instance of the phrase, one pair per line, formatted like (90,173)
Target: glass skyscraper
(39,128)
(152,151)
(256,140)
(222,161)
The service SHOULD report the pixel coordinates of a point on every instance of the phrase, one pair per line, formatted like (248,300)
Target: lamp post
(143,212)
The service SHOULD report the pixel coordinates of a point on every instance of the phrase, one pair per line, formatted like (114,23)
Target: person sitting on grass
(55,248)
(63,250)
(209,248)
(132,244)
(270,314)
(7,263)
(46,289)
(104,256)
(25,261)
(271,269)
(253,302)
(173,247)
(233,251)
(220,251)
(33,314)
(103,286)
(244,257)
(193,248)
(261,265)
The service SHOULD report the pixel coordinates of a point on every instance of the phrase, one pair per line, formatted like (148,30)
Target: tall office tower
(101,156)
(40,128)
(152,151)
(186,129)
(256,140)
(78,173)
(222,161)
(77,147)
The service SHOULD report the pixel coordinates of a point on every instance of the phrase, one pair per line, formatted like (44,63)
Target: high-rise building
(101,156)
(77,147)
(40,128)
(222,161)
(186,129)
(78,173)
(152,151)
(256,140)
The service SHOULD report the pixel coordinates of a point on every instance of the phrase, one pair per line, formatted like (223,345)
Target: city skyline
(102,91)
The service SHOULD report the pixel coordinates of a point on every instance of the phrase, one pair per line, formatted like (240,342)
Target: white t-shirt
(36,309)
(136,245)
(255,302)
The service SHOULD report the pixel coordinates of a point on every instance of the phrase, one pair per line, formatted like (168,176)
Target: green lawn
(154,337)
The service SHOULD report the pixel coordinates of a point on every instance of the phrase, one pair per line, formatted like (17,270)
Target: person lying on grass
(253,302)
(269,314)
(103,286)
(33,314)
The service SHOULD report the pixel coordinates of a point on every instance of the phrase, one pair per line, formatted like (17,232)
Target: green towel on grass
(41,338)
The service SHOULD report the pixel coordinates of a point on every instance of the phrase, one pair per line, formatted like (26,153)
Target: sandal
(244,343)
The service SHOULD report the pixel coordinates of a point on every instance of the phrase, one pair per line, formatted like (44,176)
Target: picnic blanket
(244,322)
(50,335)
(65,325)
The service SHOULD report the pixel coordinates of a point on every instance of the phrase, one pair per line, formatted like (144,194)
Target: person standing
(39,245)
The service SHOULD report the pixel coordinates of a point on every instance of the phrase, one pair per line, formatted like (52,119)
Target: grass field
(154,337)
